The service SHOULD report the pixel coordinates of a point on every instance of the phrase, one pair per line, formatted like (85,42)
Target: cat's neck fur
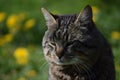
(64,73)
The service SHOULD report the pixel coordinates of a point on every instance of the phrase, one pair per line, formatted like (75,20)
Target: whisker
(85,59)
(86,70)
(78,70)
(92,73)
(43,65)
(41,60)
(87,63)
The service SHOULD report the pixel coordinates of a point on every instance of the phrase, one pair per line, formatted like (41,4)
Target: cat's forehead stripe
(66,20)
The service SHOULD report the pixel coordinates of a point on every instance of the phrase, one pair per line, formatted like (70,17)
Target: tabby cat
(75,49)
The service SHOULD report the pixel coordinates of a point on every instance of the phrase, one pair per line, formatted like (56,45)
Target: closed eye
(51,46)
(78,43)
(52,43)
(79,46)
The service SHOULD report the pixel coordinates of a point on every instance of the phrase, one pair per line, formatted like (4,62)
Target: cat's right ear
(50,20)
(85,16)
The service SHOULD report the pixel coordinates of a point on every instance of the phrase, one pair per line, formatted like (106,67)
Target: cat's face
(68,39)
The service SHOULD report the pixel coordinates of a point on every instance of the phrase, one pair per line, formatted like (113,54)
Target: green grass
(116,52)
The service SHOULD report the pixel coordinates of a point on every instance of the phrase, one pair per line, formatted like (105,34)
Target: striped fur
(75,49)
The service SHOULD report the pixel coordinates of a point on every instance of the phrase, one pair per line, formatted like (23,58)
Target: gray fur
(76,50)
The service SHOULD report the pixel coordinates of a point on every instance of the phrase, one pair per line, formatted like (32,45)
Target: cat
(75,49)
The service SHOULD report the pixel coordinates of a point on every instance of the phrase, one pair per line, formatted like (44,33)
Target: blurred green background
(22,27)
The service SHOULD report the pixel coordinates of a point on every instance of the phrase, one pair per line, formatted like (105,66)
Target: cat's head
(70,39)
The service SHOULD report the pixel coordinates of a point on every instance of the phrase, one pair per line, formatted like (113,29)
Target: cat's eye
(51,45)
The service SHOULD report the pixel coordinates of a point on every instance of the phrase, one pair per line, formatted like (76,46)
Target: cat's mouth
(64,63)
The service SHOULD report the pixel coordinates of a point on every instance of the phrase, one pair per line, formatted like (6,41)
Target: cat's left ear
(85,16)
(50,20)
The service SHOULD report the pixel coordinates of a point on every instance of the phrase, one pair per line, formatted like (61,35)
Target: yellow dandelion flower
(117,67)
(55,12)
(95,9)
(8,37)
(22,78)
(115,35)
(14,30)
(2,41)
(31,73)
(21,55)
(29,24)
(12,21)
(2,16)
(94,18)
(5,39)
(95,12)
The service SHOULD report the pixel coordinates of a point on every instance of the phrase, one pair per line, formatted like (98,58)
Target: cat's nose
(59,51)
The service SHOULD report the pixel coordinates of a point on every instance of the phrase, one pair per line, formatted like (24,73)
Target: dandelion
(22,78)
(8,37)
(2,16)
(55,12)
(95,9)
(94,18)
(2,41)
(117,67)
(115,35)
(29,24)
(5,39)
(95,12)
(21,55)
(12,21)
(31,73)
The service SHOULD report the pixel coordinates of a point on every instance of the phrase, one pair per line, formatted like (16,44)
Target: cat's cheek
(50,55)
(53,57)
(45,51)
